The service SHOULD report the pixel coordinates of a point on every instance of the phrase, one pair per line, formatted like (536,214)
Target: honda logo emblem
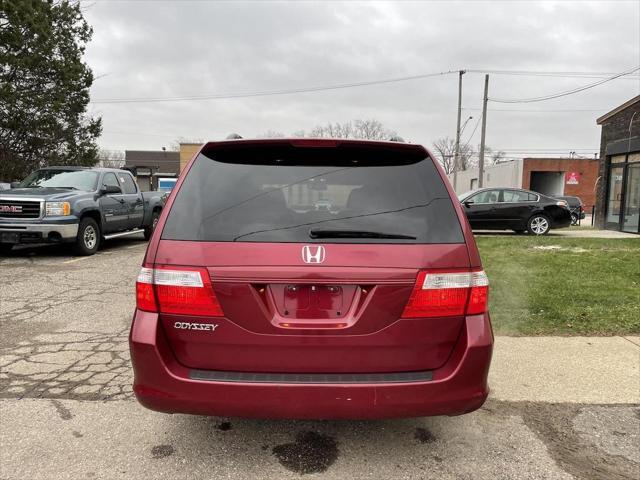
(313,254)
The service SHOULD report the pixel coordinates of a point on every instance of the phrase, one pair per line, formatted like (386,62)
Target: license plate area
(310,305)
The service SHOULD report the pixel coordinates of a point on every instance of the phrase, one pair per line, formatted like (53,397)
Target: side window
(488,196)
(110,179)
(532,197)
(128,185)
(513,196)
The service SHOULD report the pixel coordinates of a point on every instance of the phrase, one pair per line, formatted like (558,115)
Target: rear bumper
(162,384)
(37,232)
(561,219)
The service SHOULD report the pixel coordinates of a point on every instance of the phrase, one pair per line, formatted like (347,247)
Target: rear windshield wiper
(322,233)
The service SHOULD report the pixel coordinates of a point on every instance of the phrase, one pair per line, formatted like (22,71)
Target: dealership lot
(67,410)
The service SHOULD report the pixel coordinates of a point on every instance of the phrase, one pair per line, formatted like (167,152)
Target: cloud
(180,48)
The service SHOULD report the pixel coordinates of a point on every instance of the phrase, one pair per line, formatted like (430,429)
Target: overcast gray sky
(163,49)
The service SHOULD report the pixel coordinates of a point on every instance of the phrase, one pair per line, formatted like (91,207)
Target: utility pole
(484,130)
(456,158)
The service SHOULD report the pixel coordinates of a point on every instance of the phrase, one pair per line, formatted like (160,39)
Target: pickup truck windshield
(72,179)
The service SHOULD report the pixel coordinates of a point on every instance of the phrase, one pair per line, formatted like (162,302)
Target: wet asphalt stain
(225,426)
(162,451)
(64,412)
(553,424)
(312,452)
(423,435)
(77,434)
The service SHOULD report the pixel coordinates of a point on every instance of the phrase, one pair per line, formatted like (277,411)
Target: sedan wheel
(539,225)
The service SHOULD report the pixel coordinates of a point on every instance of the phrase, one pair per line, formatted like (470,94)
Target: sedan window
(515,196)
(488,196)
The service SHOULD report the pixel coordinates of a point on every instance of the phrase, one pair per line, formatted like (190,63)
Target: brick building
(618,190)
(549,176)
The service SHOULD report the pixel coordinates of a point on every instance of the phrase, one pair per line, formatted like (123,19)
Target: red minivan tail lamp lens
(179,291)
(445,294)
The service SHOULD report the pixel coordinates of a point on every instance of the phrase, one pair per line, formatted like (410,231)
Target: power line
(472,133)
(558,74)
(540,110)
(566,92)
(265,93)
(271,92)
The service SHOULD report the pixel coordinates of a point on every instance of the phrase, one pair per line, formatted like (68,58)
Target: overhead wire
(564,93)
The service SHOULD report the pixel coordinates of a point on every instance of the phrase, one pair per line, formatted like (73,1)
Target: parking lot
(67,410)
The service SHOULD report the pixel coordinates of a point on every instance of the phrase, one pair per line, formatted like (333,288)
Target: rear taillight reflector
(181,291)
(445,294)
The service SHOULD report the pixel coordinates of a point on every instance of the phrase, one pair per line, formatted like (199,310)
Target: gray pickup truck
(82,206)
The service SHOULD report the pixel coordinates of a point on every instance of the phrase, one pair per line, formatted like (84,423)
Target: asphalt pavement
(560,408)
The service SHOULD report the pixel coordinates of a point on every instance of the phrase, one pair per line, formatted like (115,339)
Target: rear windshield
(313,195)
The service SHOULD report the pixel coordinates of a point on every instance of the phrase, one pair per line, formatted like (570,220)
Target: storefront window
(615,195)
(632,199)
(634,157)
(618,159)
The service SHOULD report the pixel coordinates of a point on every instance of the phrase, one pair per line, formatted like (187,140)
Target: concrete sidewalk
(594,370)
(582,232)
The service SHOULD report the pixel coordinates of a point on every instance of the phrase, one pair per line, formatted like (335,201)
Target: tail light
(444,294)
(181,291)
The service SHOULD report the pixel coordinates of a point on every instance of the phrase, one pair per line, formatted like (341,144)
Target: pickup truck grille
(19,209)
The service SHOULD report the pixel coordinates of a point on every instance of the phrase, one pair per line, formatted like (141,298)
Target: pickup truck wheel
(148,231)
(5,248)
(88,239)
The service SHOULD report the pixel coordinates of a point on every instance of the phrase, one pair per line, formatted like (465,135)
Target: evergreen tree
(44,87)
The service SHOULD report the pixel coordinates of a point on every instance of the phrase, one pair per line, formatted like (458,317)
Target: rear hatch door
(313,251)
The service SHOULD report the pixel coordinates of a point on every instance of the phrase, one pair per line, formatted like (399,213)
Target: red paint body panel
(459,386)
(284,316)
(365,335)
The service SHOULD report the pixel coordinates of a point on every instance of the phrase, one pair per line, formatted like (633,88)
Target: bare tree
(332,130)
(445,149)
(271,134)
(362,129)
(372,130)
(494,156)
(111,158)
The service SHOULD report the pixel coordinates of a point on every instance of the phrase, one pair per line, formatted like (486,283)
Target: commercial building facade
(618,192)
(150,166)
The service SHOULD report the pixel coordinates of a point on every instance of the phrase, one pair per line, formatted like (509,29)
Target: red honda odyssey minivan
(312,278)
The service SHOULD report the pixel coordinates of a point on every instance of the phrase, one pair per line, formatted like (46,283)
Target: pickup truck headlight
(57,209)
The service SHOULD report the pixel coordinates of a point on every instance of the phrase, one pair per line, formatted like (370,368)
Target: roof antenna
(233,136)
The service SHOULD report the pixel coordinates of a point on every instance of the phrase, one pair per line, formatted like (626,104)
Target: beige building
(187,151)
